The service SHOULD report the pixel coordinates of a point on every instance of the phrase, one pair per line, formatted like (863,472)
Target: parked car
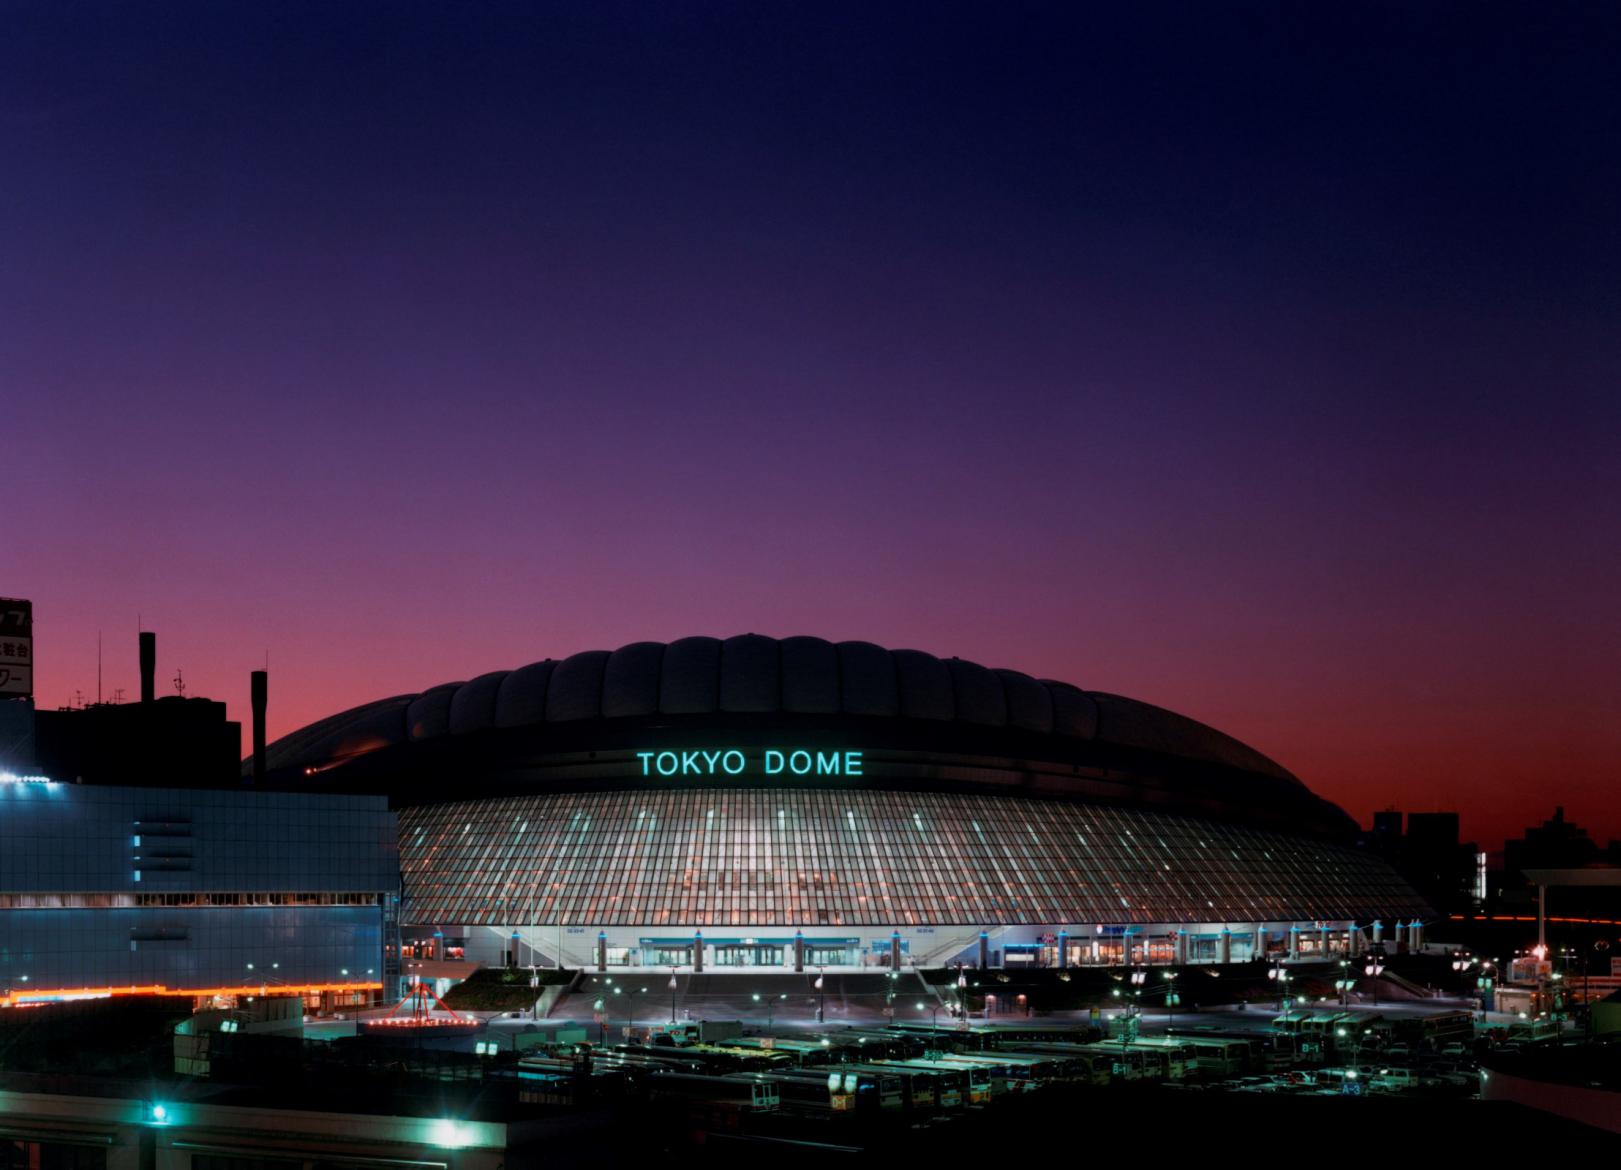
(1394,1079)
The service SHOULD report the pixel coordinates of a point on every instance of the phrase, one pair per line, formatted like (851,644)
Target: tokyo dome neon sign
(736,762)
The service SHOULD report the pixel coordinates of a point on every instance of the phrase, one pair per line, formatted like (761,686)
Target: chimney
(259,693)
(149,666)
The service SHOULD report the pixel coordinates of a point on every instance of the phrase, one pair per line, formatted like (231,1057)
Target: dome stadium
(753,802)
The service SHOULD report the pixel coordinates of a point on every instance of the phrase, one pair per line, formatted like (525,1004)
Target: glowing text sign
(736,762)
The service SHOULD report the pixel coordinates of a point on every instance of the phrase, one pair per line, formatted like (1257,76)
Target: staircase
(940,952)
(1412,990)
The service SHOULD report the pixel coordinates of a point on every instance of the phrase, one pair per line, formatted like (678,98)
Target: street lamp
(1484,983)
(1171,999)
(770,1006)
(1280,974)
(672,994)
(821,996)
(1374,968)
(1344,983)
(962,991)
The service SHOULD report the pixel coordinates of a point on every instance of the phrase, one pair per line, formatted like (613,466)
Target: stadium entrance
(748,955)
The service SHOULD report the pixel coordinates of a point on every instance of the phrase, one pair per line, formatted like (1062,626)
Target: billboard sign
(16,648)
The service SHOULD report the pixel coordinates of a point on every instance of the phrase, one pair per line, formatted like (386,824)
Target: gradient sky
(1257,362)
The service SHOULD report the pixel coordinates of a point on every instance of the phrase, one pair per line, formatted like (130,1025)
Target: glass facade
(104,887)
(806,857)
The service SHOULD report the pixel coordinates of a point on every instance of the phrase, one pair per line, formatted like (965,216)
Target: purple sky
(1262,369)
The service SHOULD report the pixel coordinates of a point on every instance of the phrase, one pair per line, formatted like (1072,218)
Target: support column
(1224,947)
(799,950)
(1181,951)
(1378,932)
(1294,942)
(1260,941)
(602,950)
(698,952)
(1415,935)
(1542,918)
(895,950)
(1063,949)
(984,951)
(1096,950)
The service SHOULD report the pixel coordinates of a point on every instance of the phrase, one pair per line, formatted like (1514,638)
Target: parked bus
(919,1090)
(754,1092)
(841,1088)
(950,1082)
(987,1077)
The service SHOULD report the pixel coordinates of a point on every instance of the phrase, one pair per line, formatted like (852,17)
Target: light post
(1599,947)
(266,980)
(1170,999)
(1128,1029)
(1374,968)
(924,1007)
(1280,975)
(770,1006)
(673,986)
(1138,978)
(1556,1002)
(630,1015)
(962,992)
(821,995)
(1461,962)
(1483,984)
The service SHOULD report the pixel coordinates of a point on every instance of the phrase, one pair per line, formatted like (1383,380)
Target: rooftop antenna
(118,694)
(179,683)
(98,668)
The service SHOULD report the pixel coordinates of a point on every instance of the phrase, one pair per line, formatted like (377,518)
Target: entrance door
(748,955)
